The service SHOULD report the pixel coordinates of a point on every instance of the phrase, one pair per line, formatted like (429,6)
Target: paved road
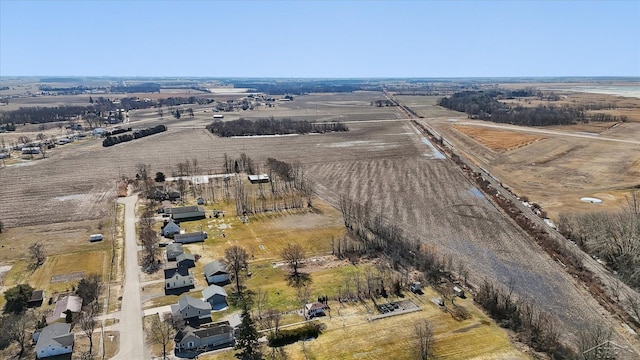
(131,332)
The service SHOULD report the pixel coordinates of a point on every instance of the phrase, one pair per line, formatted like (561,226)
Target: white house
(314,309)
(55,339)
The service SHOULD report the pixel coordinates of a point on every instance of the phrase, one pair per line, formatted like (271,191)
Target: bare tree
(590,339)
(634,304)
(89,288)
(37,253)
(271,320)
(161,333)
(17,327)
(294,256)
(236,259)
(424,340)
(88,322)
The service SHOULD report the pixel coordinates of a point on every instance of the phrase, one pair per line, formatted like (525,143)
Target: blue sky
(320,39)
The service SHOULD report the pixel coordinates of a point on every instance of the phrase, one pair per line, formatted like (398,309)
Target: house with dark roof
(68,303)
(186,260)
(173,250)
(216,273)
(187,213)
(37,297)
(189,238)
(191,308)
(195,340)
(216,296)
(55,339)
(177,280)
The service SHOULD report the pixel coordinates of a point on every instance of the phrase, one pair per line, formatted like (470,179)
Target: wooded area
(271,126)
(485,105)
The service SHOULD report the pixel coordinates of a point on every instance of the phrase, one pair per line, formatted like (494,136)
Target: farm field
(383,161)
(565,164)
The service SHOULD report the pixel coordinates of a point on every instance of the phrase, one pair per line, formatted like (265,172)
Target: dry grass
(154,348)
(349,335)
(498,140)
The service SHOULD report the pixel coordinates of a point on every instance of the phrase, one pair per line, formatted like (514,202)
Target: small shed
(173,250)
(458,292)
(37,297)
(200,201)
(216,296)
(186,260)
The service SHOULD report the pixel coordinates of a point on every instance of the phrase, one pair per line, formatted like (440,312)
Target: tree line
(271,126)
(114,140)
(613,237)
(485,105)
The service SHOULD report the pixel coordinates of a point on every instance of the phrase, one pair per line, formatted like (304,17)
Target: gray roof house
(204,338)
(170,229)
(177,280)
(216,296)
(55,339)
(190,237)
(189,308)
(216,273)
(188,213)
(173,250)
(186,260)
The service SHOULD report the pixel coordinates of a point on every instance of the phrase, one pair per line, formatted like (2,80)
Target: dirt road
(131,331)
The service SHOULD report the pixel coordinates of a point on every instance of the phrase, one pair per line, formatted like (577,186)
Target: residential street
(131,331)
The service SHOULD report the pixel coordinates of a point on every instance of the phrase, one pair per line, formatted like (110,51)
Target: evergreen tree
(247,339)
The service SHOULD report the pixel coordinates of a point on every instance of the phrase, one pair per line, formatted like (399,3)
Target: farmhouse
(216,296)
(259,179)
(67,303)
(177,280)
(173,250)
(188,213)
(191,308)
(55,339)
(170,229)
(216,273)
(314,309)
(186,260)
(213,335)
(190,237)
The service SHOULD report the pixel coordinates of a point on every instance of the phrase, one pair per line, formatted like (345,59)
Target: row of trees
(485,105)
(114,140)
(271,126)
(613,237)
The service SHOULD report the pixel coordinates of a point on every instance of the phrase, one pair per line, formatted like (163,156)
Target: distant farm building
(30,150)
(190,237)
(314,309)
(188,213)
(95,237)
(259,179)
